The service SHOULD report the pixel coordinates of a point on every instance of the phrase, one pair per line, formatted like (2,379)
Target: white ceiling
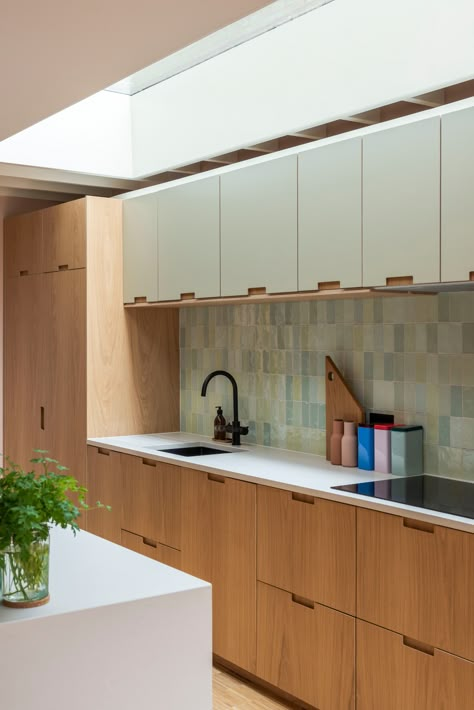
(54,53)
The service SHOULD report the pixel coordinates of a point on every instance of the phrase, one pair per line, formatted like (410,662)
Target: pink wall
(8,206)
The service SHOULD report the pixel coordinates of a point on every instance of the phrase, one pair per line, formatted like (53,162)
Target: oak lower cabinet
(395,672)
(306,545)
(104,485)
(306,649)
(416,579)
(151,548)
(219,545)
(151,499)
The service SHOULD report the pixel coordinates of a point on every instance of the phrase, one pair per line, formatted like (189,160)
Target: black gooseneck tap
(235,427)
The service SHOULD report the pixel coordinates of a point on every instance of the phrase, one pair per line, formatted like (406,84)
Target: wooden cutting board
(340,402)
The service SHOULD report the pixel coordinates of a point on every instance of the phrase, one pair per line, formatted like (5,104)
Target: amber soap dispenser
(219,425)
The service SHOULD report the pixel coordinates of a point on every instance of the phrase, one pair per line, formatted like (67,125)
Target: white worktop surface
(303,473)
(87,572)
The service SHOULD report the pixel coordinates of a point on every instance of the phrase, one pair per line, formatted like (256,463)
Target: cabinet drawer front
(104,483)
(151,548)
(306,545)
(152,499)
(395,672)
(307,652)
(416,579)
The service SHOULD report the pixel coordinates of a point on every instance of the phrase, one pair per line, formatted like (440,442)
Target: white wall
(93,136)
(8,206)
(341,59)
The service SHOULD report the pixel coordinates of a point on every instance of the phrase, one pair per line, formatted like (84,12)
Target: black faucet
(235,427)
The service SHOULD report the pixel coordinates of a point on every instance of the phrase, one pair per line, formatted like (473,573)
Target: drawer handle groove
(103,452)
(149,462)
(302,498)
(418,525)
(418,646)
(42,418)
(302,601)
(23,273)
(63,267)
(215,477)
(149,542)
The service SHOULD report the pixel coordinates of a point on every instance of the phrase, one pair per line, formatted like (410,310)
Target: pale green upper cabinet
(329,215)
(259,228)
(140,249)
(188,240)
(457,195)
(401,203)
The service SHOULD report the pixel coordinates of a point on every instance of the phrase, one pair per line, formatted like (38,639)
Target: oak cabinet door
(306,649)
(151,499)
(457,205)
(64,236)
(151,548)
(259,228)
(140,248)
(401,203)
(218,545)
(189,240)
(329,216)
(394,672)
(306,545)
(23,238)
(416,579)
(104,484)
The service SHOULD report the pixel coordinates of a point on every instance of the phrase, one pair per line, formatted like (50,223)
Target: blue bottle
(365,449)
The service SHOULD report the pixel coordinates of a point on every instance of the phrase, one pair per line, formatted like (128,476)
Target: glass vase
(25,574)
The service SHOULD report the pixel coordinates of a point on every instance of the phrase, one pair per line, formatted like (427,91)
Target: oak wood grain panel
(307,548)
(64,236)
(151,548)
(64,323)
(416,582)
(132,358)
(23,244)
(104,484)
(393,674)
(24,381)
(307,652)
(152,499)
(219,545)
(340,402)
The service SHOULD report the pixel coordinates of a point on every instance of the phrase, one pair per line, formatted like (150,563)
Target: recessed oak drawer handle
(148,462)
(63,267)
(215,477)
(302,498)
(150,543)
(103,452)
(302,601)
(418,646)
(23,273)
(418,525)
(42,418)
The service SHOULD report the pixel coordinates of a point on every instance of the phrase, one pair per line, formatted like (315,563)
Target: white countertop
(303,473)
(87,572)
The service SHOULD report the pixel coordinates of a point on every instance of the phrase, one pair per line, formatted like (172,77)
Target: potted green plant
(30,503)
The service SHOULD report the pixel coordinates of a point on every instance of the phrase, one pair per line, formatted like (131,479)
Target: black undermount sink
(193,450)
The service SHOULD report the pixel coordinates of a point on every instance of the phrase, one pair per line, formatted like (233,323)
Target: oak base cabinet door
(395,672)
(306,545)
(417,579)
(104,484)
(219,546)
(306,649)
(151,548)
(152,499)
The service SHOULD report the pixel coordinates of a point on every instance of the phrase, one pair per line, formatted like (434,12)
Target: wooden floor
(232,693)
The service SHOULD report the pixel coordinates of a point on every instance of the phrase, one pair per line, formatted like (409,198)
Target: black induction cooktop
(432,492)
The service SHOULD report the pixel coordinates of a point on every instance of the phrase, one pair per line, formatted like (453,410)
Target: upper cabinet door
(140,249)
(23,244)
(64,237)
(188,240)
(329,216)
(401,203)
(457,205)
(259,228)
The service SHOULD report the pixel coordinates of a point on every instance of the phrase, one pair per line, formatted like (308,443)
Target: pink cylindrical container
(382,448)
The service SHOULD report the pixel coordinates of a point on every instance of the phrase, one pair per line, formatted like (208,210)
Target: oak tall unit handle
(42,418)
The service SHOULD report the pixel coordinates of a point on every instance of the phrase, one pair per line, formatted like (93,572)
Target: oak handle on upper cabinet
(42,418)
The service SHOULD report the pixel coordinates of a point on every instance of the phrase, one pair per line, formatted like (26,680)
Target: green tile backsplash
(413,356)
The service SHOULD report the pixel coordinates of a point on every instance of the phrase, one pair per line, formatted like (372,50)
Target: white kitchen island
(121,632)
